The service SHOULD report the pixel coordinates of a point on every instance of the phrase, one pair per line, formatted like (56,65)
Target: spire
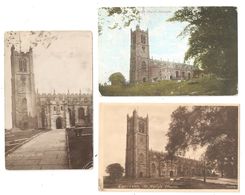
(54,91)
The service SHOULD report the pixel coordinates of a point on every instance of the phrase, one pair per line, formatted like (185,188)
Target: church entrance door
(171,173)
(59,123)
(141,174)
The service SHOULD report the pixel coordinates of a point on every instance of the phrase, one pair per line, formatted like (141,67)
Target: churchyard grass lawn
(207,85)
(163,183)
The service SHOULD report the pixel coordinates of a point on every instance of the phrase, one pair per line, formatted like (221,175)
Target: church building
(145,69)
(142,162)
(31,110)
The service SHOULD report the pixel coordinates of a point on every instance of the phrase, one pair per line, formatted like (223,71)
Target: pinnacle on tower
(137,27)
(134,111)
(12,47)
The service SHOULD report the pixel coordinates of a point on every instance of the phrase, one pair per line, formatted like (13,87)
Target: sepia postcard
(167,51)
(48,100)
(161,147)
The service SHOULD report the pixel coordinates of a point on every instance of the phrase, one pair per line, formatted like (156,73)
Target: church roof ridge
(171,63)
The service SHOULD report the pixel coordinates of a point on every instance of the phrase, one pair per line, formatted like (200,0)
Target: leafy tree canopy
(212,35)
(215,127)
(117,17)
(117,78)
(24,40)
(115,170)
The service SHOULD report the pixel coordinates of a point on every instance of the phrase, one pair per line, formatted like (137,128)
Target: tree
(31,39)
(115,170)
(224,155)
(117,78)
(178,128)
(212,35)
(214,127)
(117,17)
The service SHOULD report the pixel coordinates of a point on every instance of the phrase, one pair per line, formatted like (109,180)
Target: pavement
(46,151)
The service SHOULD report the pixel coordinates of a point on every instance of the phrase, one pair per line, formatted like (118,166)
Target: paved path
(220,180)
(46,151)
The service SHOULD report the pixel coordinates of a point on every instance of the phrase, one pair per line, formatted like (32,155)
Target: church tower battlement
(137,146)
(23,89)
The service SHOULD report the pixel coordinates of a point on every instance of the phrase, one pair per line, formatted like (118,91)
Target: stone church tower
(137,148)
(139,56)
(23,90)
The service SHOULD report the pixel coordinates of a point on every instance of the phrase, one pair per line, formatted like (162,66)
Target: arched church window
(183,74)
(22,65)
(54,108)
(153,168)
(141,127)
(61,108)
(143,66)
(177,74)
(141,158)
(24,105)
(23,80)
(81,113)
(85,99)
(143,39)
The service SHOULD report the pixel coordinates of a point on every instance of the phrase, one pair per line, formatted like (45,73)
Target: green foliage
(207,85)
(117,17)
(117,79)
(212,35)
(115,170)
(213,126)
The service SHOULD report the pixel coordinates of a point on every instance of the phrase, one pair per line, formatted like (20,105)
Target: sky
(65,64)
(113,128)
(114,45)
